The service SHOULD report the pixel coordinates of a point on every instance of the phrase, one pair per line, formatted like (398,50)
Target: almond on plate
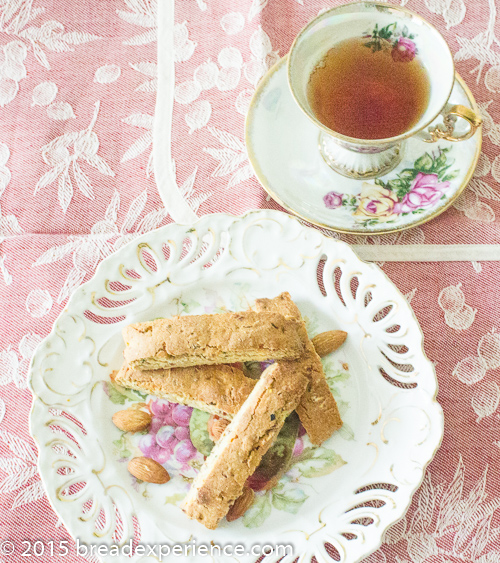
(148,470)
(241,504)
(132,420)
(216,427)
(329,341)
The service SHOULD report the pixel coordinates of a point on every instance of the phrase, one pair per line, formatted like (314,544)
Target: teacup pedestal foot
(359,161)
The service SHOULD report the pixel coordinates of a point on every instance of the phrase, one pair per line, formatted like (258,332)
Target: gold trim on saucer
(265,184)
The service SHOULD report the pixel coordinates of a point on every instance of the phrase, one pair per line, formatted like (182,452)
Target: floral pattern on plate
(178,439)
(412,191)
(394,431)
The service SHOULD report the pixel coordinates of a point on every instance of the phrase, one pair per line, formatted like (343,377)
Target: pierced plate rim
(36,400)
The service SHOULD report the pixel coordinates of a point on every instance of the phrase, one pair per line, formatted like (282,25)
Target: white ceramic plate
(345,493)
(282,145)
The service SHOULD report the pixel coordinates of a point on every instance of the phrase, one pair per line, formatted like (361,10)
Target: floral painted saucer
(282,145)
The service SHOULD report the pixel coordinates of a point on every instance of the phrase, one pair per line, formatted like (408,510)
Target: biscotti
(239,450)
(217,389)
(211,339)
(317,410)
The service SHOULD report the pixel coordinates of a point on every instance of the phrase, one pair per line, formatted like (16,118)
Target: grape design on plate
(168,437)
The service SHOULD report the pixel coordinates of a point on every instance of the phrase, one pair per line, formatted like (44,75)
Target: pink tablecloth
(77,100)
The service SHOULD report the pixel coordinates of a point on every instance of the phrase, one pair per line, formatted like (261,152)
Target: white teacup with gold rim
(406,35)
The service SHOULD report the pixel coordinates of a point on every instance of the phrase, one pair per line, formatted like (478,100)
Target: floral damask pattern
(9,225)
(56,154)
(105,237)
(449,523)
(44,35)
(142,13)
(64,86)
(20,471)
(457,314)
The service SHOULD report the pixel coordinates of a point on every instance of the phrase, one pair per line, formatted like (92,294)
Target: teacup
(369,158)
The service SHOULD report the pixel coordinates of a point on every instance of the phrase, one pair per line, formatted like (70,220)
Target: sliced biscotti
(211,339)
(317,410)
(247,438)
(217,389)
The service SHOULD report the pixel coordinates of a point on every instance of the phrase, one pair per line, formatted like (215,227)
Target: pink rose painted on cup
(332,200)
(404,50)
(425,191)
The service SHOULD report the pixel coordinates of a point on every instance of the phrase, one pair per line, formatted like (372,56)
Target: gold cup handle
(446,130)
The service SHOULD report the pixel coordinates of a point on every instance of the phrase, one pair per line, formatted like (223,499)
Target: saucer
(282,145)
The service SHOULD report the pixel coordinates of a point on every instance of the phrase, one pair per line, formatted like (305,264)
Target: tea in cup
(371,75)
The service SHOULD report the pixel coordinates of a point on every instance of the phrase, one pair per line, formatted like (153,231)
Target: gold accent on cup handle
(445,131)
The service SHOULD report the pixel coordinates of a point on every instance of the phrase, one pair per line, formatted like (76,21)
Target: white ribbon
(428,252)
(170,194)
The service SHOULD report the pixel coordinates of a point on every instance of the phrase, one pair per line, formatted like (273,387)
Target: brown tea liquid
(365,94)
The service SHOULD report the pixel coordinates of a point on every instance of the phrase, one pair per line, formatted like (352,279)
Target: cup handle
(446,129)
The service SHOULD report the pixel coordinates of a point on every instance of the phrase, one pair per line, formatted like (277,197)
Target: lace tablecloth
(78,83)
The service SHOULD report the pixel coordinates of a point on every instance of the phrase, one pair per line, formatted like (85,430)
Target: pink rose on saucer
(425,191)
(333,200)
(404,50)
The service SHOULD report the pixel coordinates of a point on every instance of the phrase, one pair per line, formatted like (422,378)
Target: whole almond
(327,342)
(132,420)
(216,426)
(148,470)
(241,504)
